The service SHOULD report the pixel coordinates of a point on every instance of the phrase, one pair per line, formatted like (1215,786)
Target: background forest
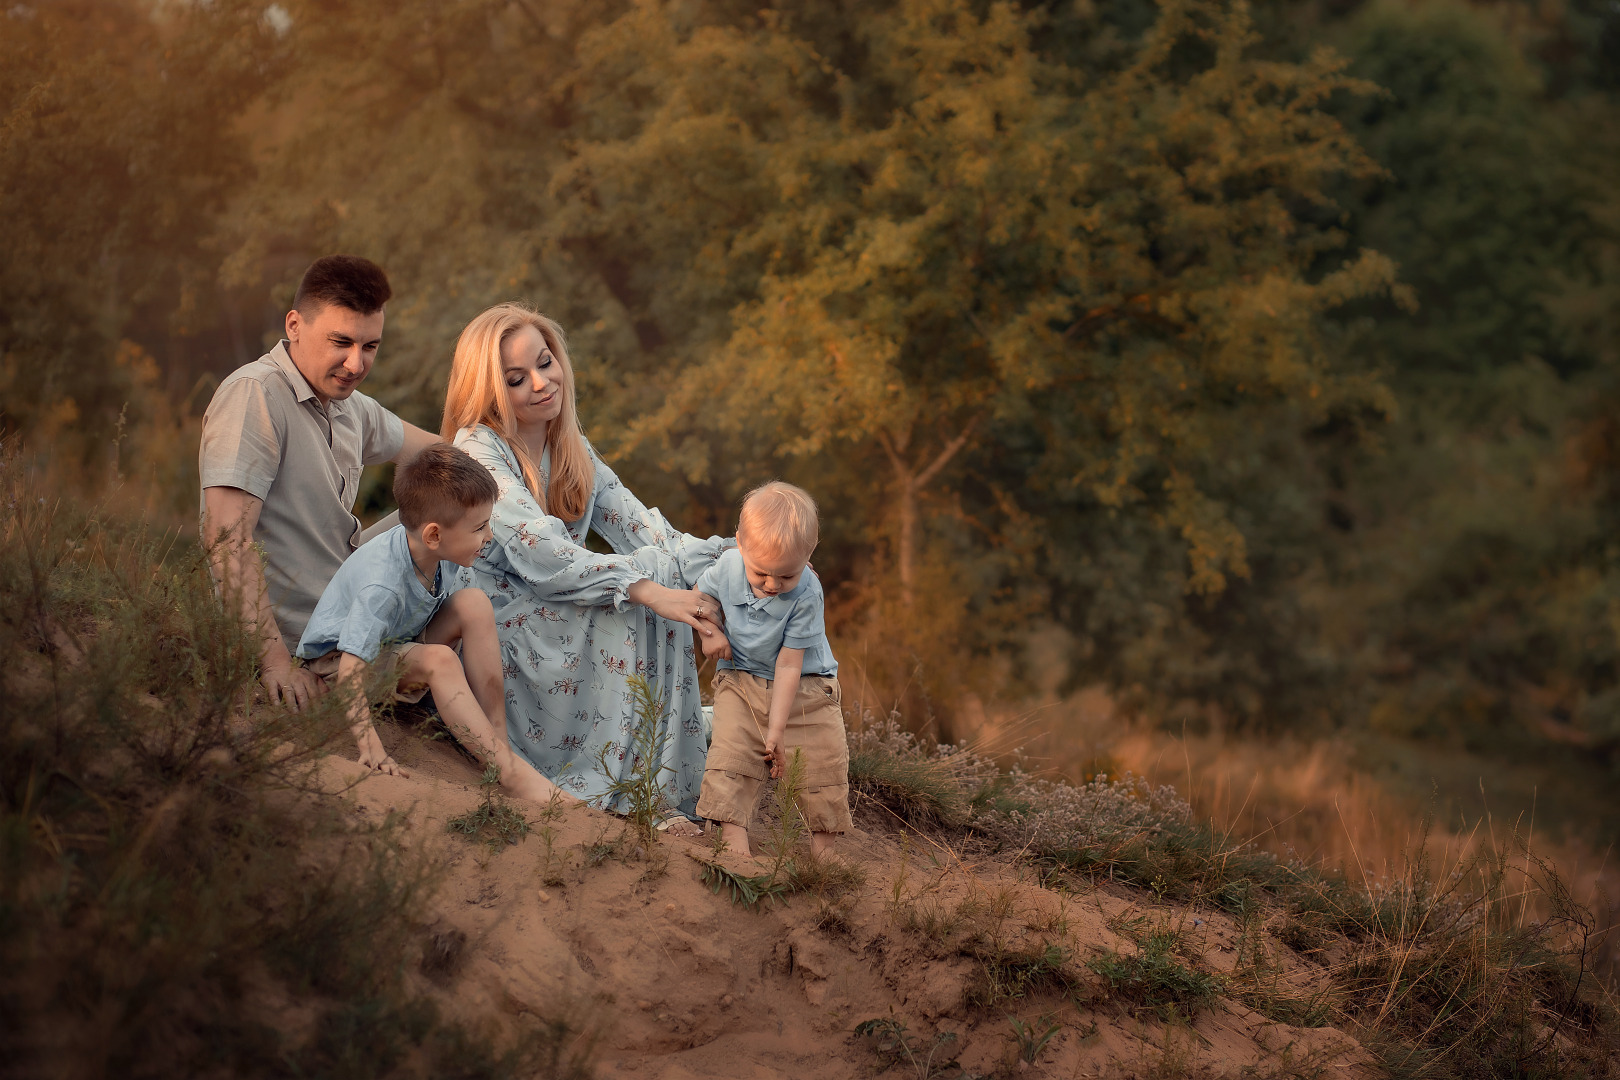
(1254,367)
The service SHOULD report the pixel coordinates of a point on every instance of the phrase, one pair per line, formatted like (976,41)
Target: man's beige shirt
(267,433)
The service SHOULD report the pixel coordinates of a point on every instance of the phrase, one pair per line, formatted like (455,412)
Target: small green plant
(638,792)
(792,869)
(1154,978)
(494,822)
(1011,974)
(553,864)
(1032,1038)
(893,1046)
(748,890)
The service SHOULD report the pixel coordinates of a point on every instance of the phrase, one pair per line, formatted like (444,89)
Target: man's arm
(416,440)
(351,676)
(784,688)
(229,517)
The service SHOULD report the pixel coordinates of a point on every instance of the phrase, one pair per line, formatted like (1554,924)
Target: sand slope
(674,981)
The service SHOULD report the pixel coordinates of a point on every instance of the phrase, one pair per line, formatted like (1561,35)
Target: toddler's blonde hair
(780,518)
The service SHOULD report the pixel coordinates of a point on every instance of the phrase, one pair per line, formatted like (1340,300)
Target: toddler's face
(770,572)
(460,543)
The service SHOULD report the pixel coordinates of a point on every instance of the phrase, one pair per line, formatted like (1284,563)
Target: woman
(576,625)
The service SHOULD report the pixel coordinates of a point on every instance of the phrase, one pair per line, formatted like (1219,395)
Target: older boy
(776,689)
(401,600)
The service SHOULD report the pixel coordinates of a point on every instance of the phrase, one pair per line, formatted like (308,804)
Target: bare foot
(683,827)
(523,781)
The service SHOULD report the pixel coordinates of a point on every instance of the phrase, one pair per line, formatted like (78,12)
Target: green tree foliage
(119,145)
(1249,378)
(950,277)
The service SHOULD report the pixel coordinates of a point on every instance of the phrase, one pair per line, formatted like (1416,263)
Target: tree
(939,251)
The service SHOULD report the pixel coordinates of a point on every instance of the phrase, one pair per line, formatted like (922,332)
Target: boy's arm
(715,646)
(784,688)
(351,676)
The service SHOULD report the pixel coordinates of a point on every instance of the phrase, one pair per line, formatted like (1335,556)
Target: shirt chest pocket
(351,485)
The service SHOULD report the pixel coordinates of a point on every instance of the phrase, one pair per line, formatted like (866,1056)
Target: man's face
(334,348)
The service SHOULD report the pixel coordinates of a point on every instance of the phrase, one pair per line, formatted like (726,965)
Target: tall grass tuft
(170,872)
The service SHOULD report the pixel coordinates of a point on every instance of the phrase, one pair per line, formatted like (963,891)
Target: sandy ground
(672,980)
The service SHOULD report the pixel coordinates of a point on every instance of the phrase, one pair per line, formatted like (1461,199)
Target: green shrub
(168,863)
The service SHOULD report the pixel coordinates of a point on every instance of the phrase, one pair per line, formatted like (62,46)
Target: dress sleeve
(538,547)
(627,525)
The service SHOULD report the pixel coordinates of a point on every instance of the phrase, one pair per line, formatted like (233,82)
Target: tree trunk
(909,481)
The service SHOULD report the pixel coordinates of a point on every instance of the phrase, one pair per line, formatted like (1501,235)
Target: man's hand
(284,684)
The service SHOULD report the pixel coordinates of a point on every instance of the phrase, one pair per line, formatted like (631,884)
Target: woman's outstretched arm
(628,524)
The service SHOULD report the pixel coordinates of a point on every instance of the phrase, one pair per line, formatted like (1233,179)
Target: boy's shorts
(736,769)
(325,666)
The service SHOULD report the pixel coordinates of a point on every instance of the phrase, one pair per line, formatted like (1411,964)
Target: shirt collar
(753,601)
(280,357)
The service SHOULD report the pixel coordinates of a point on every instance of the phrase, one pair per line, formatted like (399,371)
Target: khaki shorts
(736,770)
(325,666)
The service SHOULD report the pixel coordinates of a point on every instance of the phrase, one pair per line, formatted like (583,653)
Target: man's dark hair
(345,280)
(441,484)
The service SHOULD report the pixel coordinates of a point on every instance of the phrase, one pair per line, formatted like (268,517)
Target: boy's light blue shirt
(376,598)
(760,627)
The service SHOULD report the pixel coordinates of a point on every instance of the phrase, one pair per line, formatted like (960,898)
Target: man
(284,441)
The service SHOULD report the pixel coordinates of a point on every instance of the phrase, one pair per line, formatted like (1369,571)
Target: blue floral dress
(570,638)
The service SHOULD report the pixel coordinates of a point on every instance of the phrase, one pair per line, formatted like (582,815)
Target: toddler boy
(776,687)
(399,600)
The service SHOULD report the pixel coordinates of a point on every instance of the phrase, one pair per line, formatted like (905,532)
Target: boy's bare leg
(821,843)
(439,667)
(468,618)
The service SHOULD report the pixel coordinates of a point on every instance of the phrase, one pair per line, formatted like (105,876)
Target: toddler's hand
(715,646)
(774,755)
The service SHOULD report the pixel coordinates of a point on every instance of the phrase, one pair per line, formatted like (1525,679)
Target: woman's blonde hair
(478,395)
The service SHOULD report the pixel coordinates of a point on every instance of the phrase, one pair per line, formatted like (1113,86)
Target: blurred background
(1227,392)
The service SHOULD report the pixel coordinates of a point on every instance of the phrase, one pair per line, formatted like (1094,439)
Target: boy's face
(770,572)
(460,542)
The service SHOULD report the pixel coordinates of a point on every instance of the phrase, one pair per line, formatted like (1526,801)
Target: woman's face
(533,377)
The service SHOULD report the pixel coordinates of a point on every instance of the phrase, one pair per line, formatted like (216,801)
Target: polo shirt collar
(283,360)
(752,601)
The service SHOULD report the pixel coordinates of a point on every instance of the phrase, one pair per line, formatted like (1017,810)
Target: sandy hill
(664,977)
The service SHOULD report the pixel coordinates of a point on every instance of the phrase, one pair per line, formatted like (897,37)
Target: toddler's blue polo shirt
(760,627)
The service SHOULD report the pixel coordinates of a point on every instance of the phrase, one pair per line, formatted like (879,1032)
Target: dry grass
(1471,961)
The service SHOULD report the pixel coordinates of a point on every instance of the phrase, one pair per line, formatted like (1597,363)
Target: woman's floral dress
(570,638)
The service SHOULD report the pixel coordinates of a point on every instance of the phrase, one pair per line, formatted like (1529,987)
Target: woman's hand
(693,608)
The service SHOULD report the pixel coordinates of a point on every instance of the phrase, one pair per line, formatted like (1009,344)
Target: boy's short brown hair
(780,517)
(441,485)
